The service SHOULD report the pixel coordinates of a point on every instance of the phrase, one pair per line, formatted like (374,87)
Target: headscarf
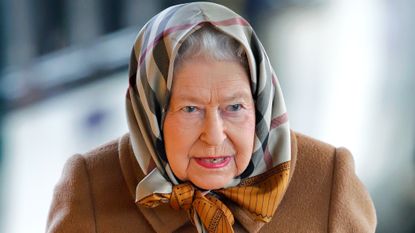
(150,84)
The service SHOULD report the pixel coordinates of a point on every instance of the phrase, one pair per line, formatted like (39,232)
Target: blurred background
(346,68)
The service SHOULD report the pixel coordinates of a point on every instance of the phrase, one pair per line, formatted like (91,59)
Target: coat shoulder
(323,189)
(103,152)
(308,146)
(95,182)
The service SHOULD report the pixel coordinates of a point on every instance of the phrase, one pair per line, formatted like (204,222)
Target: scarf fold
(150,82)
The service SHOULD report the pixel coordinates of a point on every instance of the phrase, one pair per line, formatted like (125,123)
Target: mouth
(214,162)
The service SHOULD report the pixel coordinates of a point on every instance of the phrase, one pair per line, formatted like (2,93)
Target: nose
(214,131)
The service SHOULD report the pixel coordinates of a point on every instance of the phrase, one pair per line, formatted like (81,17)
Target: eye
(234,107)
(189,109)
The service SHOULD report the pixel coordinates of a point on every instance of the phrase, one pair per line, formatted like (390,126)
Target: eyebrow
(238,95)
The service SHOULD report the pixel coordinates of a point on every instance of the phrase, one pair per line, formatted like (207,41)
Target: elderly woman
(209,147)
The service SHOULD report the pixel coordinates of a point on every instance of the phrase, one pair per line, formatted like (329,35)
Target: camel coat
(97,190)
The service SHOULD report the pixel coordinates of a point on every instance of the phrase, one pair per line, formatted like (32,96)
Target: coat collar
(161,218)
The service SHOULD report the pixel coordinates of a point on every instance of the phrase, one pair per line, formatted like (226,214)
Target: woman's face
(210,124)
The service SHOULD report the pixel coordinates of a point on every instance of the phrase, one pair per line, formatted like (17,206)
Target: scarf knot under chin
(260,195)
(182,196)
(216,215)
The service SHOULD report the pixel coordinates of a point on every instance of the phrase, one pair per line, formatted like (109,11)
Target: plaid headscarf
(150,82)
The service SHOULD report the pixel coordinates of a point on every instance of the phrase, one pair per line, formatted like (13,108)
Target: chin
(211,184)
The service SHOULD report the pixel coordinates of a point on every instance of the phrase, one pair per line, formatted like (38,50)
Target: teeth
(216,160)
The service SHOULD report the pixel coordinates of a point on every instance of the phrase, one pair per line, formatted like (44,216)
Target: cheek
(178,140)
(247,129)
(172,139)
(244,137)
(178,135)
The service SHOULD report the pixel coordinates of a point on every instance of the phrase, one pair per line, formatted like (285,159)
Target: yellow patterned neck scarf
(260,195)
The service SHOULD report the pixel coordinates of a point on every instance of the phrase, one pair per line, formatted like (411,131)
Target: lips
(214,162)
